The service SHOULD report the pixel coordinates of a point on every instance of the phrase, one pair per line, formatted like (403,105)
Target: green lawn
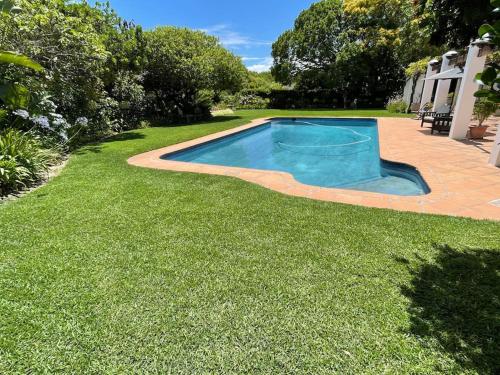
(111,268)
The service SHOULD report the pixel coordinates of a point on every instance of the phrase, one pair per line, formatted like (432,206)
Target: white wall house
(418,90)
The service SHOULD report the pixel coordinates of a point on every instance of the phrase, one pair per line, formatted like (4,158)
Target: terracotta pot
(477,132)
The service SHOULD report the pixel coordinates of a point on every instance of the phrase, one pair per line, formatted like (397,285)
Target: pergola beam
(443,86)
(429,84)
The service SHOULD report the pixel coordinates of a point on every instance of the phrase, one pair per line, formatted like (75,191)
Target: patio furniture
(415,108)
(428,117)
(441,124)
(423,109)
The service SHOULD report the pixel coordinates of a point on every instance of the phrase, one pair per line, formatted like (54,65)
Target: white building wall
(443,86)
(495,153)
(432,69)
(418,90)
(466,99)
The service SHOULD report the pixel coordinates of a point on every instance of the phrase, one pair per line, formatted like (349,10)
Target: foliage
(483,109)
(181,63)
(128,91)
(12,94)
(396,104)
(245,99)
(248,100)
(7,57)
(348,46)
(99,66)
(413,72)
(65,40)
(452,22)
(23,161)
(490,76)
(417,68)
(290,99)
(318,98)
(261,82)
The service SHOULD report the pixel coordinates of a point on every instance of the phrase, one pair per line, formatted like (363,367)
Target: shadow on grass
(456,300)
(95,147)
(121,137)
(158,123)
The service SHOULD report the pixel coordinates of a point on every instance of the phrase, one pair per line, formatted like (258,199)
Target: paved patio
(461,181)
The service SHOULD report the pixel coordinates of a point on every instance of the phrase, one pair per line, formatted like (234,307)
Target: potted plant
(482,111)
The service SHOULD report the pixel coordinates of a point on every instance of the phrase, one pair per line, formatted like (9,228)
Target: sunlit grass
(112,268)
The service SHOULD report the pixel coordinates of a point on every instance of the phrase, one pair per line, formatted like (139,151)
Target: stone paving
(462,182)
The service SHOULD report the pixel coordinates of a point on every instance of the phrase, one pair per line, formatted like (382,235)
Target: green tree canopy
(182,62)
(261,82)
(64,39)
(453,22)
(345,45)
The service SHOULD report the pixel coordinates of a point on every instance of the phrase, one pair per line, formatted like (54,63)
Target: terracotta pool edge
(285,183)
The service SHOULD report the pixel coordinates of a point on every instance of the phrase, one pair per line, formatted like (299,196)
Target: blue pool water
(341,153)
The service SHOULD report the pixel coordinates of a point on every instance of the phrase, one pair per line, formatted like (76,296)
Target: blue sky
(247,28)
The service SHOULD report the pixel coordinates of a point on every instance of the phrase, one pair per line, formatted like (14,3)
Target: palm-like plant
(13,94)
(490,76)
(22,160)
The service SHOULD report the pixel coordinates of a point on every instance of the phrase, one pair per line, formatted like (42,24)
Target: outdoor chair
(423,109)
(441,124)
(415,108)
(428,117)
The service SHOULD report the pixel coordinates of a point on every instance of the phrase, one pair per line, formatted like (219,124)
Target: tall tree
(344,45)
(454,22)
(181,63)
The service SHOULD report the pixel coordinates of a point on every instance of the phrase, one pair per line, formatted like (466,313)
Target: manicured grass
(111,268)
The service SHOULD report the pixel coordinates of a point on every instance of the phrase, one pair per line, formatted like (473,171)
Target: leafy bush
(483,109)
(182,66)
(261,82)
(251,101)
(129,93)
(324,98)
(99,66)
(23,161)
(396,104)
(243,100)
(52,130)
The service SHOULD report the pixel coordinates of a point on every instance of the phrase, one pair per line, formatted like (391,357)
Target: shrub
(396,104)
(50,129)
(129,93)
(322,98)
(182,67)
(243,100)
(251,101)
(23,161)
(483,109)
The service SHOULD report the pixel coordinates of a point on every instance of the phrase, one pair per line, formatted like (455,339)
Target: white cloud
(262,64)
(244,58)
(232,39)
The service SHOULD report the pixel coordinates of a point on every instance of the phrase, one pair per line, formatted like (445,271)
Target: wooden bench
(429,117)
(441,124)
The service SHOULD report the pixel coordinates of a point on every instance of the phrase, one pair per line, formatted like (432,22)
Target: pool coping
(441,200)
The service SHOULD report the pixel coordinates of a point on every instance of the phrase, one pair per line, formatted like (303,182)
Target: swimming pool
(333,153)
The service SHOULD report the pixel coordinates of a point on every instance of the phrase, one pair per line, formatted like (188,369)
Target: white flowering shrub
(396,104)
(52,128)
